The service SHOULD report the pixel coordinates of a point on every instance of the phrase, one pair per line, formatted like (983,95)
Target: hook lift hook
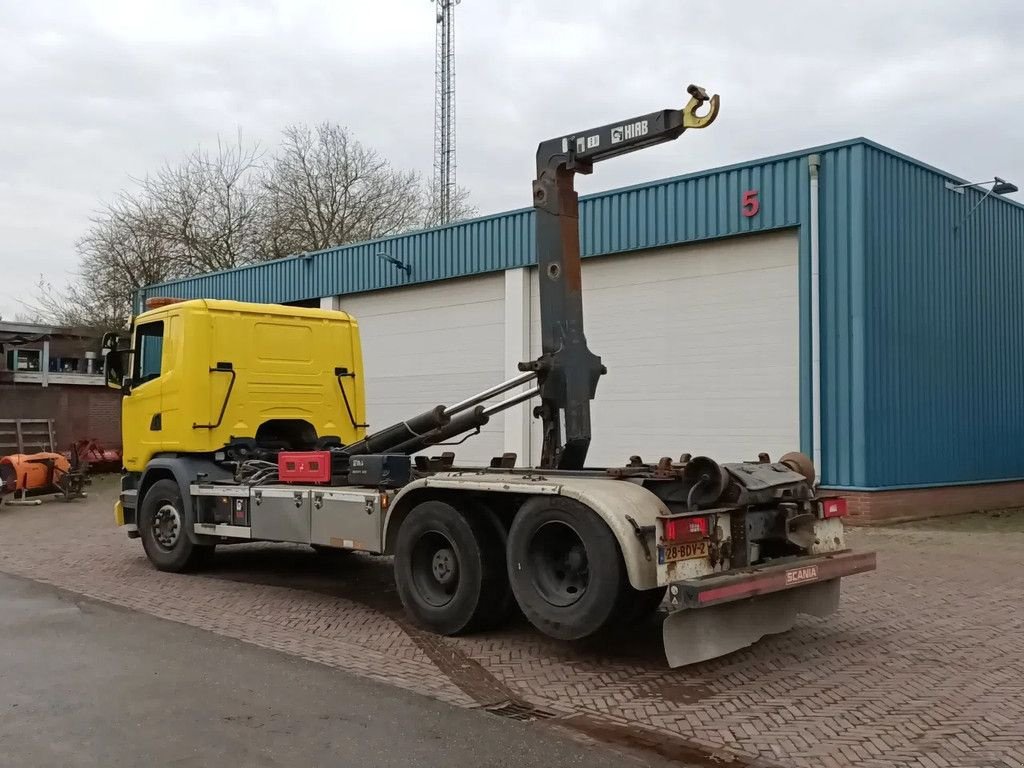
(698,98)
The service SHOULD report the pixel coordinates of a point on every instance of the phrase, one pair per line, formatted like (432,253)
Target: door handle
(156,423)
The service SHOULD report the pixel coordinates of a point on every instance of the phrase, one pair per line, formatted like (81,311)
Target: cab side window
(149,347)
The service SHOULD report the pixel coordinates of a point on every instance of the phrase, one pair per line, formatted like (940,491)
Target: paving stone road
(923,666)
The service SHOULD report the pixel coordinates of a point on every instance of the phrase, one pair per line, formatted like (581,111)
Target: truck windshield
(149,344)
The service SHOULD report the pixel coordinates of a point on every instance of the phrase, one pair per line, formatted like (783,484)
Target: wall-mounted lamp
(407,268)
(999,187)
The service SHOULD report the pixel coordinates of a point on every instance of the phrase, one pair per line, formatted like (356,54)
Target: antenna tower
(444,110)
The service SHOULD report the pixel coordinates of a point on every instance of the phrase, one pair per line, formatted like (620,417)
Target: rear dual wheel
(567,573)
(450,568)
(457,572)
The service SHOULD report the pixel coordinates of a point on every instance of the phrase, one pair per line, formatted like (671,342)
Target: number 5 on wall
(751,205)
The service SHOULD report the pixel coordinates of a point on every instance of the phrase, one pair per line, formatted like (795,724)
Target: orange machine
(39,473)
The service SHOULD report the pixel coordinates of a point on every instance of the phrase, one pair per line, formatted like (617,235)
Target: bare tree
(203,214)
(225,208)
(461,208)
(325,189)
(210,208)
(74,305)
(123,250)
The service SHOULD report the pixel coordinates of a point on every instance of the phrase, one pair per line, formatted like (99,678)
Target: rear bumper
(763,580)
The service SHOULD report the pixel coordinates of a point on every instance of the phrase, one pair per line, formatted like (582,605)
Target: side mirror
(110,341)
(114,367)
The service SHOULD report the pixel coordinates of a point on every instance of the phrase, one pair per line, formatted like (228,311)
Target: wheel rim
(559,567)
(435,569)
(166,526)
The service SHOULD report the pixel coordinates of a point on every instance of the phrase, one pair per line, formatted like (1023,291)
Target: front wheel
(565,568)
(163,526)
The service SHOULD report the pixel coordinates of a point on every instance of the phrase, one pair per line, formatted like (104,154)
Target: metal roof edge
(797,153)
(928,167)
(337,248)
(382,241)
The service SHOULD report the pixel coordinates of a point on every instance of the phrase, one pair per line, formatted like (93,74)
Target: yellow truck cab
(202,374)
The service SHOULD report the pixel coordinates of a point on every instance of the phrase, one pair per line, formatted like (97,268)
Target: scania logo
(798,575)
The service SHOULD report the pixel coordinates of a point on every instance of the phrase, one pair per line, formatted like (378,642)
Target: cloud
(98,92)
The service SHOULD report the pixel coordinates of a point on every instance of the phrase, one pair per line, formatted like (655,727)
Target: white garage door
(429,345)
(701,344)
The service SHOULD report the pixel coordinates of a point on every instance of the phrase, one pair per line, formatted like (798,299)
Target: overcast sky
(95,92)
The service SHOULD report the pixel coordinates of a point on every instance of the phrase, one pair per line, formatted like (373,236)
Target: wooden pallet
(26,436)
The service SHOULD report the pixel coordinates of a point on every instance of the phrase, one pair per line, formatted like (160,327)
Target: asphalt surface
(83,683)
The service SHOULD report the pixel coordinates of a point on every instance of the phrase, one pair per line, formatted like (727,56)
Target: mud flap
(700,634)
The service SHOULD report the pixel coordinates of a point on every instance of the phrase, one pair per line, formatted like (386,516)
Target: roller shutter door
(431,344)
(702,347)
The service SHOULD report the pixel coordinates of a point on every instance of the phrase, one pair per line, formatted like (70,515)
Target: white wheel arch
(615,501)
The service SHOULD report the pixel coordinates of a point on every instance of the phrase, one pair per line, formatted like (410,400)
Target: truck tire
(163,526)
(449,569)
(565,568)
(504,605)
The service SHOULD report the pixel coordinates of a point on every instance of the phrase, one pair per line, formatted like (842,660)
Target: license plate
(691,550)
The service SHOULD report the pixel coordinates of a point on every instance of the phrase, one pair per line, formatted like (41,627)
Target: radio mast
(444,110)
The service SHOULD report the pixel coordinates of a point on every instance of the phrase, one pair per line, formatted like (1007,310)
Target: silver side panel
(348,519)
(280,514)
(223,530)
(229,491)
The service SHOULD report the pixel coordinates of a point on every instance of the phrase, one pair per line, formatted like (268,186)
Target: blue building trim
(922,486)
(803,191)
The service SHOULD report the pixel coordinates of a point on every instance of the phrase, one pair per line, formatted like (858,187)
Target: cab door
(141,410)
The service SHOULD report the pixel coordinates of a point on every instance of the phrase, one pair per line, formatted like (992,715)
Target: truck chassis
(580,552)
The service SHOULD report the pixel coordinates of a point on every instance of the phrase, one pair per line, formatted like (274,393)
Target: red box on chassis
(304,466)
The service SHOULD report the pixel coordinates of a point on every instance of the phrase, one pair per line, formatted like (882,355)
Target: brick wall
(78,412)
(868,507)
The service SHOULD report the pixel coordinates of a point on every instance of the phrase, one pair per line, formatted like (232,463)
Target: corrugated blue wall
(944,330)
(841,212)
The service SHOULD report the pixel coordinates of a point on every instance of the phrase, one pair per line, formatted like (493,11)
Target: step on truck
(246,422)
